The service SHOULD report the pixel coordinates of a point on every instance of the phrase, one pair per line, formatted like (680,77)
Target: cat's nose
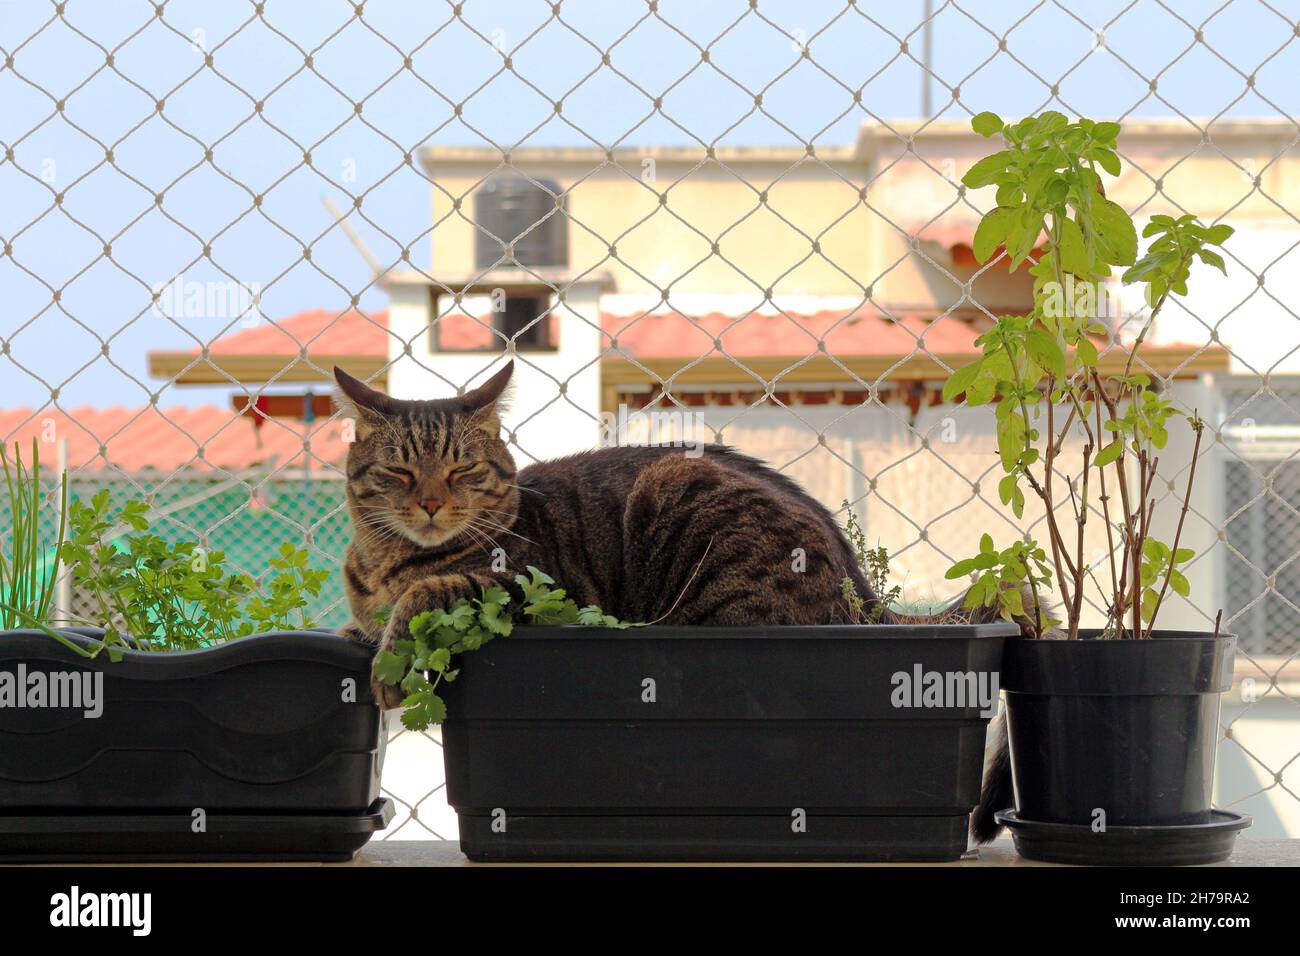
(431,505)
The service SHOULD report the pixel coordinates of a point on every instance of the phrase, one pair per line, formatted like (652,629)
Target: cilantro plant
(437,636)
(1043,374)
(154,594)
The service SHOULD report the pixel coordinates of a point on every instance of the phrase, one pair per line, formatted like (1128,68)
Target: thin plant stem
(1178,531)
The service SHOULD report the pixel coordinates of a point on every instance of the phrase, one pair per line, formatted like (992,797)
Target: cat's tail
(996,793)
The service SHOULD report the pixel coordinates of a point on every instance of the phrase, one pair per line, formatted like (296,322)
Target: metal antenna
(925,59)
(339,220)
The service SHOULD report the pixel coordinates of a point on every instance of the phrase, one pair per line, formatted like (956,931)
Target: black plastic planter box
(776,743)
(265,747)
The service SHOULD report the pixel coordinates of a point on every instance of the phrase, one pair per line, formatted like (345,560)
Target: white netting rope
(421,804)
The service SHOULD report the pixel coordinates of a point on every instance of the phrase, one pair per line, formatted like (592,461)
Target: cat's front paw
(353,632)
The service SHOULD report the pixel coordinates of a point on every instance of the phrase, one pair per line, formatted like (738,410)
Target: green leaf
(1022,238)
(1213,259)
(1044,349)
(1072,249)
(1087,353)
(1178,581)
(985,172)
(1116,231)
(1154,551)
(960,569)
(1109,453)
(414,682)
(961,380)
(1049,121)
(992,231)
(494,620)
(423,710)
(1106,131)
(1007,488)
(1149,600)
(496,595)
(388,667)
(1218,235)
(1012,601)
(987,124)
(1106,159)
(461,615)
(1011,439)
(540,577)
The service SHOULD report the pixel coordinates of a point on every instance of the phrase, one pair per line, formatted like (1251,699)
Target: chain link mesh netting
(145,141)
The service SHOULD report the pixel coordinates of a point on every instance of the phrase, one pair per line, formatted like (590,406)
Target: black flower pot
(716,743)
(266,747)
(1113,738)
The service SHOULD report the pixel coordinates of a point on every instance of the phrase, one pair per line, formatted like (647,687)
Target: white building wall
(1260,325)
(554,404)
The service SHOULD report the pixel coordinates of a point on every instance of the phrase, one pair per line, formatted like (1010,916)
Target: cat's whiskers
(473,524)
(380,525)
(532,491)
(496,526)
(497,511)
(381,534)
(486,544)
(483,531)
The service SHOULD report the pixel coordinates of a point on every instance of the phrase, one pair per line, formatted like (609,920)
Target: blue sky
(63,155)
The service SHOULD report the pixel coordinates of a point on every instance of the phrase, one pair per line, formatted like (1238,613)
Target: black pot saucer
(1077,843)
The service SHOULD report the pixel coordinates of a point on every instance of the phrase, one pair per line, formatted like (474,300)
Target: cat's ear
(364,405)
(489,399)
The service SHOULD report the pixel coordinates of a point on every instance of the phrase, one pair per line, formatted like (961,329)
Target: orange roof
(169,438)
(863,332)
(322,331)
(640,335)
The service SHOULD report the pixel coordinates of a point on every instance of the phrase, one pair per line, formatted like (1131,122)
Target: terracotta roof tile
(642,335)
(673,335)
(319,330)
(169,438)
(160,438)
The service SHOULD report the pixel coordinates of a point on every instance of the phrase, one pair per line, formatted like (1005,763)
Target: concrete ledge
(998,853)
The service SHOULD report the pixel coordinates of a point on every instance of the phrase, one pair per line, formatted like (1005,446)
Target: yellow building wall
(665,221)
(916,185)
(754,221)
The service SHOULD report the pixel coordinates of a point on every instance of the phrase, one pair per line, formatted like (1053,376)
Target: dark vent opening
(514,321)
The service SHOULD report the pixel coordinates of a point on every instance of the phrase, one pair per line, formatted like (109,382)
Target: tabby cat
(646,533)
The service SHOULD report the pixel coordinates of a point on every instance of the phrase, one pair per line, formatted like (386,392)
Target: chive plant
(29,568)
